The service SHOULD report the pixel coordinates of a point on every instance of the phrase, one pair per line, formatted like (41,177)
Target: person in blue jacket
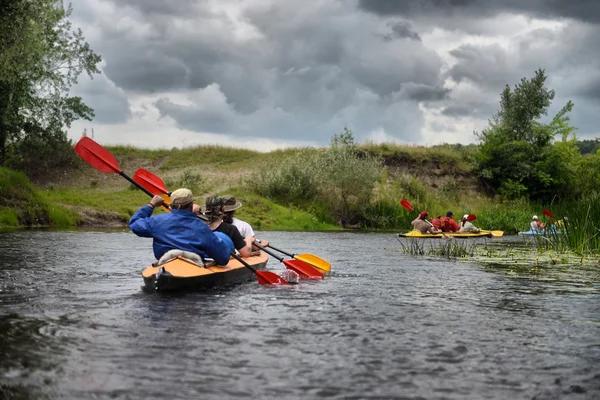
(180,229)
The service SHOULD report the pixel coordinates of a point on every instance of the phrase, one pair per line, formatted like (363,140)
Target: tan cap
(181,197)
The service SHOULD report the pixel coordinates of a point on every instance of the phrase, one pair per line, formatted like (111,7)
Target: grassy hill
(440,174)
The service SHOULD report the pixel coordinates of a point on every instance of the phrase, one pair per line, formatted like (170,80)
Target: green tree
(347,179)
(517,155)
(41,57)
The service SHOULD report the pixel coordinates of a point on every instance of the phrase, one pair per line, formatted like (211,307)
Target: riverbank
(435,178)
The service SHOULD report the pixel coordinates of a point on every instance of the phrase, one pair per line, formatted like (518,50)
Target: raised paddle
(547,213)
(404,203)
(101,159)
(155,184)
(305,270)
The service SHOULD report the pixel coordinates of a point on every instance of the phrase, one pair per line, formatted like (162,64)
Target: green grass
(125,202)
(420,156)
(264,214)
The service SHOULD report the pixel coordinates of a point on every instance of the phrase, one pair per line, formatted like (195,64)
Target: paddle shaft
(240,259)
(281,251)
(268,252)
(124,175)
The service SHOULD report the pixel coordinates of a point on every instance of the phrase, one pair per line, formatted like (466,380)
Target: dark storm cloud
(401,30)
(298,69)
(288,66)
(425,92)
(457,110)
(584,10)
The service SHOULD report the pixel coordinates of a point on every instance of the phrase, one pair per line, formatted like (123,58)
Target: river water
(75,324)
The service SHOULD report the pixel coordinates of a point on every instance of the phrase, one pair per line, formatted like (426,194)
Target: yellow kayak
(183,274)
(418,234)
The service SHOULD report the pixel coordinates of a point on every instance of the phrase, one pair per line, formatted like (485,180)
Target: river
(75,324)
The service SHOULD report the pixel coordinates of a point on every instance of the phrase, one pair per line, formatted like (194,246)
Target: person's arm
(238,240)
(217,249)
(140,223)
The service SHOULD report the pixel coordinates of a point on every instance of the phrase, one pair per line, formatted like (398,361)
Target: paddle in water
(316,261)
(305,270)
(101,159)
(156,185)
(263,277)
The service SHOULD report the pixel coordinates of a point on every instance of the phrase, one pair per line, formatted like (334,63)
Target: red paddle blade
(548,213)
(270,278)
(152,183)
(305,270)
(96,155)
(471,217)
(406,205)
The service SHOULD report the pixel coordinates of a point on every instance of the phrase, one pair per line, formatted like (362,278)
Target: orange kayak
(181,273)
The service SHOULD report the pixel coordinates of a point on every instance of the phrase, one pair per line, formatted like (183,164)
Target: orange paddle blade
(96,155)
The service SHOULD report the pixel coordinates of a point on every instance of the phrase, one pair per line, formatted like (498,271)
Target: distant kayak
(418,234)
(540,233)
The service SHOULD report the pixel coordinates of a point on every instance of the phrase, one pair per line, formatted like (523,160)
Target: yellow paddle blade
(495,233)
(167,202)
(315,261)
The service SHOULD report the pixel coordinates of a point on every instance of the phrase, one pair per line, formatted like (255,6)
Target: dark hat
(423,214)
(231,203)
(214,203)
(449,214)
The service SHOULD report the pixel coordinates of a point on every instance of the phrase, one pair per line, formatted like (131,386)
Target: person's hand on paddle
(197,209)
(156,201)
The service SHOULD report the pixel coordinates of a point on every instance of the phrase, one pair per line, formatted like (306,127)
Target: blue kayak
(540,233)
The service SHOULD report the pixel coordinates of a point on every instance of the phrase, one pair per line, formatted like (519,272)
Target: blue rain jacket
(180,229)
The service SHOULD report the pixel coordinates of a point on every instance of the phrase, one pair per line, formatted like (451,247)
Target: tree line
(40,60)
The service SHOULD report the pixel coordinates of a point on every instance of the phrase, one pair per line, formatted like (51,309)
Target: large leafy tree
(517,154)
(41,57)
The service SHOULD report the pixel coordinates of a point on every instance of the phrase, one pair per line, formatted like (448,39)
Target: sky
(270,74)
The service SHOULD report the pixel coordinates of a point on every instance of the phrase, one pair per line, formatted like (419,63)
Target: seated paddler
(422,225)
(180,229)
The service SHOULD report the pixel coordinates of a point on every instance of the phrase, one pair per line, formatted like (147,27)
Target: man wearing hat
(467,226)
(448,224)
(536,225)
(215,211)
(231,204)
(422,225)
(180,229)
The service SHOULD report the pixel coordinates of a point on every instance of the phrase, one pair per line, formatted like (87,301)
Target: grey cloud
(439,127)
(457,110)
(401,30)
(588,11)
(293,64)
(421,92)
(299,69)
(110,104)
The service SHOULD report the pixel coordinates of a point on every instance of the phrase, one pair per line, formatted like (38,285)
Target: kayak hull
(418,234)
(543,233)
(181,274)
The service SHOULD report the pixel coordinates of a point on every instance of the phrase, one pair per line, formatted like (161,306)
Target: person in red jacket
(449,224)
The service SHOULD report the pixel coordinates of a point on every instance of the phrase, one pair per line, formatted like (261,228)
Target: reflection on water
(75,323)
